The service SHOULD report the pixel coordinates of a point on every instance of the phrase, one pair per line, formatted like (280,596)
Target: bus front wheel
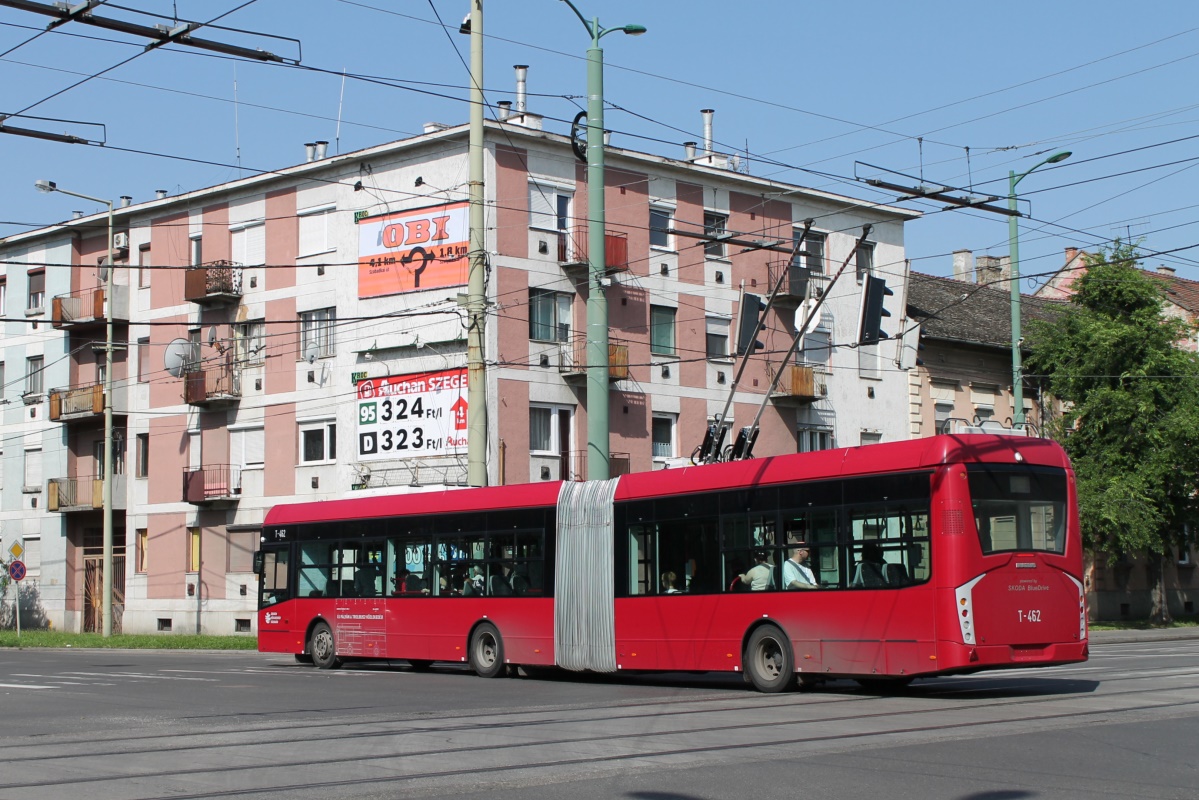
(768,660)
(323,647)
(487,651)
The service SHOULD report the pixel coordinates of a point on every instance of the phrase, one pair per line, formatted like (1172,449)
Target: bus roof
(840,462)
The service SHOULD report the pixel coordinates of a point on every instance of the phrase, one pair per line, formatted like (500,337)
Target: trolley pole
(476,302)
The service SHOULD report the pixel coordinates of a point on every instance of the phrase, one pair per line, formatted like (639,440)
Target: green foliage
(8,638)
(1131,395)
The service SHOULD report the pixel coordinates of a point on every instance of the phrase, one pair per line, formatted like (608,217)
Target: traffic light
(870,320)
(752,306)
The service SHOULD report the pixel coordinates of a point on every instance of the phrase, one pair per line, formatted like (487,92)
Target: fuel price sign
(412,416)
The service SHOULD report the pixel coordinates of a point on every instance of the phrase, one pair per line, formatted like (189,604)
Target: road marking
(24,686)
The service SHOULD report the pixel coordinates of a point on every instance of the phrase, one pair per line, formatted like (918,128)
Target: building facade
(298,336)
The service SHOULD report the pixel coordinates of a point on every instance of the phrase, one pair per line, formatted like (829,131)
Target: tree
(1131,418)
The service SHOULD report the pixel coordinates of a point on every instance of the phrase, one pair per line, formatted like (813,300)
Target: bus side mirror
(259,562)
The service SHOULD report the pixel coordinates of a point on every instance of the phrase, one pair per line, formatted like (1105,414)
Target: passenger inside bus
(473,583)
(670,583)
(760,576)
(873,571)
(364,581)
(796,573)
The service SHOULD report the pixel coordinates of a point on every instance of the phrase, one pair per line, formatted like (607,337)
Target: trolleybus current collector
(936,556)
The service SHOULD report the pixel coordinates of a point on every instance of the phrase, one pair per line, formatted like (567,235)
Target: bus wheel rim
(322,644)
(486,650)
(770,659)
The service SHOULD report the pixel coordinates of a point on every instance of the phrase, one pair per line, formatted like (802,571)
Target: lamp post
(1014,258)
(106,467)
(597,303)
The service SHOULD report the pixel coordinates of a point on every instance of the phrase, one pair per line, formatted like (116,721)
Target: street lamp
(597,303)
(1014,258)
(106,467)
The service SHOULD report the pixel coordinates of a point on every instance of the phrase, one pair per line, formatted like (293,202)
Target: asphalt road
(137,724)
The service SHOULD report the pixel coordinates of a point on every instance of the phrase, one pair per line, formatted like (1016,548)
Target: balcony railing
(89,307)
(572,249)
(572,358)
(77,403)
(804,384)
(212,484)
(572,466)
(85,493)
(218,282)
(212,385)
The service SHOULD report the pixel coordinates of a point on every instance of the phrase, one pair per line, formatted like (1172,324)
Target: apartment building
(298,336)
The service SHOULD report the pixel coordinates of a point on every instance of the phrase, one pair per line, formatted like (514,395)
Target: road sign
(16,550)
(16,571)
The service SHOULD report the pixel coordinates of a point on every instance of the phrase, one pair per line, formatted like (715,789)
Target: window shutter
(237,448)
(255,447)
(193,450)
(314,230)
(543,212)
(33,468)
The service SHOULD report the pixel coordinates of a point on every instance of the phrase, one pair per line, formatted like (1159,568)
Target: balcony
(218,283)
(572,250)
(799,384)
(67,495)
(83,402)
(572,466)
(212,486)
(212,386)
(796,281)
(572,358)
(88,308)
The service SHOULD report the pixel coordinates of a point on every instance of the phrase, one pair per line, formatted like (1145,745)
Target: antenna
(178,353)
(310,352)
(236,126)
(340,103)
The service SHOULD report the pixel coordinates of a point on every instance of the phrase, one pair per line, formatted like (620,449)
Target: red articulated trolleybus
(882,563)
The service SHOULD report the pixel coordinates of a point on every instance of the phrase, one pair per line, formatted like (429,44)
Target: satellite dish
(103,269)
(212,336)
(177,355)
(310,352)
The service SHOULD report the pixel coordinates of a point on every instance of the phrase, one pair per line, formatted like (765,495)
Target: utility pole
(476,302)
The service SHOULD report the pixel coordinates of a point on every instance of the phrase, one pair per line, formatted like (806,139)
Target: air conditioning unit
(120,241)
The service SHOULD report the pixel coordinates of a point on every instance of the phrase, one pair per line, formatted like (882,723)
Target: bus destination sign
(412,416)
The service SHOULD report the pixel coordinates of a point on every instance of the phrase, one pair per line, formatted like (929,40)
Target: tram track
(499,725)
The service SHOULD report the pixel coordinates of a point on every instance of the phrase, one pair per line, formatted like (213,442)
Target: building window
(247,448)
(662,435)
(197,249)
(316,328)
(318,441)
(249,341)
(549,429)
(193,550)
(943,412)
(869,362)
(143,266)
(717,338)
(143,542)
(871,437)
(37,291)
(33,470)
(248,244)
(3,385)
(813,439)
(812,254)
(661,330)
(983,414)
(33,376)
(549,207)
(314,231)
(143,359)
(661,220)
(864,260)
(142,454)
(715,225)
(118,455)
(549,316)
(3,295)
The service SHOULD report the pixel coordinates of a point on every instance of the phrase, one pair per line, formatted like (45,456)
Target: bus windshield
(1019,508)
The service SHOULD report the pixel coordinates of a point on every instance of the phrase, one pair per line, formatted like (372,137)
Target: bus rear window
(1018,508)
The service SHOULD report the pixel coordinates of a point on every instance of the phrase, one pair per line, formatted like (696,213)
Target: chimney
(76,215)
(989,271)
(689,150)
(522,77)
(707,113)
(434,127)
(160,194)
(126,201)
(321,149)
(505,110)
(963,265)
(309,151)
(1164,270)
(1071,254)
(607,138)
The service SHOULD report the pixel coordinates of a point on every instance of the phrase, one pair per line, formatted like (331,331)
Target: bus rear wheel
(487,651)
(322,647)
(768,660)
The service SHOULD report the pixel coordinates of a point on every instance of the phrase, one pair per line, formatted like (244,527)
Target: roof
(959,311)
(1179,291)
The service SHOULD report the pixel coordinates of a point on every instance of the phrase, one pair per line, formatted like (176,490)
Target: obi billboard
(412,416)
(411,250)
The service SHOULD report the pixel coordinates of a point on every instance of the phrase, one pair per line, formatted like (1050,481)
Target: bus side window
(273,569)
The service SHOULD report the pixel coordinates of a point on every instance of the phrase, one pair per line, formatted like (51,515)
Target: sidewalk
(1155,635)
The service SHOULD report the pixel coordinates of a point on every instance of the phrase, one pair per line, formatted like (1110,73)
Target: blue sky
(818,93)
